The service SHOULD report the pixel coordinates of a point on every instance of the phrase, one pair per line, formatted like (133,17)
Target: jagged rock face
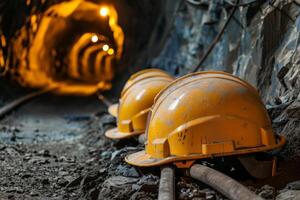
(259,45)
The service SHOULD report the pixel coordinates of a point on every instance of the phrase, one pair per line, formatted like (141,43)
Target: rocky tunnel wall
(260,45)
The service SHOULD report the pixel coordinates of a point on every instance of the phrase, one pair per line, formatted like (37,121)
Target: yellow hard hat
(205,114)
(143,74)
(134,107)
(113,109)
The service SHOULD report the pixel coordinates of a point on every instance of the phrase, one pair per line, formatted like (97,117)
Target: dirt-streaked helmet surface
(206,114)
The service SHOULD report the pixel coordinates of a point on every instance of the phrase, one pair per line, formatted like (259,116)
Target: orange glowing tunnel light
(118,34)
(105,47)
(94,38)
(2,60)
(110,51)
(36,68)
(86,55)
(80,44)
(99,69)
(33,21)
(108,68)
(104,11)
(3,41)
(85,62)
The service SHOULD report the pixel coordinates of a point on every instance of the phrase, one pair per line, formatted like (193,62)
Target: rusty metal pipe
(222,183)
(167,183)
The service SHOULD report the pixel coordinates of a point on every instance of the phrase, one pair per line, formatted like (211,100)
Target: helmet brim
(142,159)
(113,109)
(116,134)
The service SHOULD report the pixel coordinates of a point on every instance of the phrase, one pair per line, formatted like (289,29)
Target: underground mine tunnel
(149,99)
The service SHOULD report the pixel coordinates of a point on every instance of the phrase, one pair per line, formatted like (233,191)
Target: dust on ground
(55,148)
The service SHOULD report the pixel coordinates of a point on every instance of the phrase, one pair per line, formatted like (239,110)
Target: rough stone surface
(261,47)
(289,195)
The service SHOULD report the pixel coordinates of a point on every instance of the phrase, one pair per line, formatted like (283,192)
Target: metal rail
(104,100)
(166,189)
(18,102)
(222,183)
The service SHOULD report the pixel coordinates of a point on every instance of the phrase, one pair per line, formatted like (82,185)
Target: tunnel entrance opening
(37,40)
(75,47)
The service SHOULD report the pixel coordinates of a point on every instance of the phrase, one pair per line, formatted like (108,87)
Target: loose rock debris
(90,166)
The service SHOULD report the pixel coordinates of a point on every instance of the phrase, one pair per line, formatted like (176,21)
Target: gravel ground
(54,148)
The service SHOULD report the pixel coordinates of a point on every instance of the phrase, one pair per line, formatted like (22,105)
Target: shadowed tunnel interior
(76,46)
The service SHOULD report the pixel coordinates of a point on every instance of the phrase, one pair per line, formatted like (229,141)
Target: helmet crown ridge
(143,74)
(136,77)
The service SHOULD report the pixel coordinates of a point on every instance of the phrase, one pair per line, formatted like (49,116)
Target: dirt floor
(54,148)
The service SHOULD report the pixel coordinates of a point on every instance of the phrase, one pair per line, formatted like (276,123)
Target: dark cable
(216,40)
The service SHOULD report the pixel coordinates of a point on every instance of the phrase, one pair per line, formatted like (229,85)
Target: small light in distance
(110,51)
(105,47)
(104,11)
(94,38)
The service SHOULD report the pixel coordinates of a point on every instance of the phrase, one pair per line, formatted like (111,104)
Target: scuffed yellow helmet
(205,114)
(134,107)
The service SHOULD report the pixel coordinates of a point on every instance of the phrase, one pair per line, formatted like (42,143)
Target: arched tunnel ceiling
(80,54)
(53,30)
(59,27)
